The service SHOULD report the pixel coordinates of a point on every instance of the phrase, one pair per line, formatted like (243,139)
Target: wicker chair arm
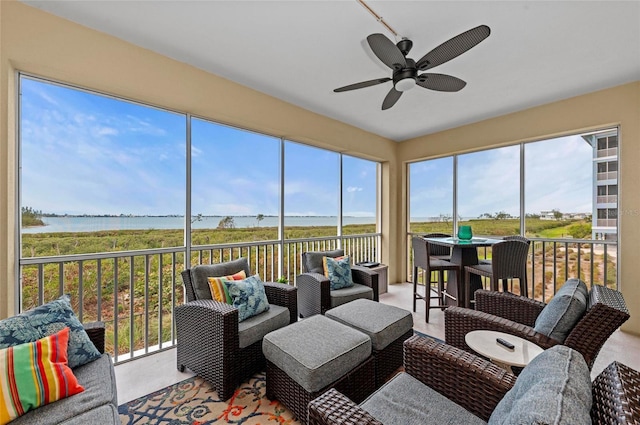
(314,294)
(516,308)
(606,313)
(96,332)
(468,380)
(283,295)
(460,321)
(211,321)
(367,277)
(616,395)
(333,407)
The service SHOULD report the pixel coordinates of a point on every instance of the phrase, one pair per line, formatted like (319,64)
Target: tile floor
(145,375)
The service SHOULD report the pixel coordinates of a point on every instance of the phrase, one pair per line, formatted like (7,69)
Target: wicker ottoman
(307,358)
(386,325)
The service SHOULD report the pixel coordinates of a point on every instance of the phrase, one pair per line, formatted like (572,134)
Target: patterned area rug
(194,402)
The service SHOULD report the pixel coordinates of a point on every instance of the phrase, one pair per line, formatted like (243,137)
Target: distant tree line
(31,217)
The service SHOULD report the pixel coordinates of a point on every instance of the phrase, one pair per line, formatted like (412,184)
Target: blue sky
(88,154)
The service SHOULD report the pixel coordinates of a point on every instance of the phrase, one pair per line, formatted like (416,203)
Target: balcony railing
(136,292)
(552,261)
(609,175)
(602,153)
(606,199)
(606,222)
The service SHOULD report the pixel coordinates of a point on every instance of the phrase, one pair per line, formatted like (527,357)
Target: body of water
(94,224)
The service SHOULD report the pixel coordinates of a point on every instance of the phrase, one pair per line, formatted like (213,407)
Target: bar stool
(439,252)
(422,259)
(509,261)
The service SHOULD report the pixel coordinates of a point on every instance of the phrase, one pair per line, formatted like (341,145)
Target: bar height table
(463,253)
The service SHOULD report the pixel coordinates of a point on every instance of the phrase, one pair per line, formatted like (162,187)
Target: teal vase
(465,233)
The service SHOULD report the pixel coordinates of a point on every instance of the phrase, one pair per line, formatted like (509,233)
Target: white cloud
(104,131)
(351,189)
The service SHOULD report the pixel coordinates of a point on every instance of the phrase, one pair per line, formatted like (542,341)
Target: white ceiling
(299,51)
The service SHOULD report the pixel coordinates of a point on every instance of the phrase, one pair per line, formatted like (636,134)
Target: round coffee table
(484,343)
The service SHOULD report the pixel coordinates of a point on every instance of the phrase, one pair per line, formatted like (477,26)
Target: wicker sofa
(449,385)
(97,404)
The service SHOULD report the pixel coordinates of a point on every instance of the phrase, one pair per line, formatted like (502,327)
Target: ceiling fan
(405,70)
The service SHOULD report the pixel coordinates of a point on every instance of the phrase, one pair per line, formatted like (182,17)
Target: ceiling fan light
(405,84)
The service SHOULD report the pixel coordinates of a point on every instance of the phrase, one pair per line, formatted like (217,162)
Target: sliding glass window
(93,163)
(431,196)
(359,195)
(235,184)
(489,191)
(559,185)
(311,191)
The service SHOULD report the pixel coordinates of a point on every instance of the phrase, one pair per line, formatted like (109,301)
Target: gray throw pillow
(563,311)
(313,260)
(555,388)
(46,320)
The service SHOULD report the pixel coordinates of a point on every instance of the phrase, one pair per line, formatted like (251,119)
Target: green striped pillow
(35,374)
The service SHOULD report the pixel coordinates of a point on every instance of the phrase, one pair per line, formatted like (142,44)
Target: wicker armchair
(314,290)
(478,386)
(209,336)
(516,315)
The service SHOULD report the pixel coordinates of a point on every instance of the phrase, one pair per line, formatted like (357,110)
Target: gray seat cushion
(555,388)
(199,275)
(345,295)
(317,351)
(563,311)
(107,414)
(256,327)
(383,323)
(407,401)
(313,260)
(99,382)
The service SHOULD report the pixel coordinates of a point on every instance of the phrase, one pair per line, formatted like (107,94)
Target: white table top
(484,342)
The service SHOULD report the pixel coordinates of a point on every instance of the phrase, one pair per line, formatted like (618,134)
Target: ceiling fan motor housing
(405,78)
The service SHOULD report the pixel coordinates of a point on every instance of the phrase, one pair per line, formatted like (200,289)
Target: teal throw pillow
(47,320)
(338,270)
(248,296)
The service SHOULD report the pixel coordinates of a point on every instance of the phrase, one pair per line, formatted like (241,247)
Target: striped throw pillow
(219,291)
(35,374)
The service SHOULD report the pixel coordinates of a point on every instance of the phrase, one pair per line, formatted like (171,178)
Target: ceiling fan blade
(453,48)
(386,51)
(440,82)
(362,84)
(391,99)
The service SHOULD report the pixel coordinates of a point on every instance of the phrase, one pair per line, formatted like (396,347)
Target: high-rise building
(605,184)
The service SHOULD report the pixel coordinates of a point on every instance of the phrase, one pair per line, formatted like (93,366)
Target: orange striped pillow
(35,374)
(219,291)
